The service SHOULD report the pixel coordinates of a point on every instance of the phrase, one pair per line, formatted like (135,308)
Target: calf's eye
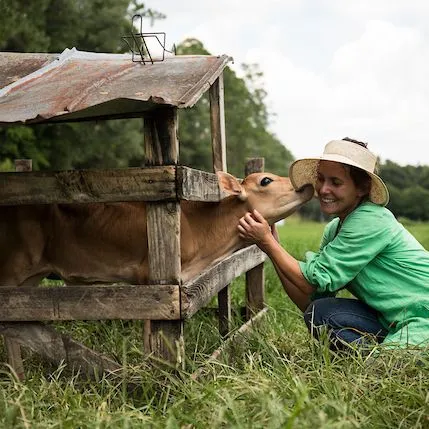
(266,181)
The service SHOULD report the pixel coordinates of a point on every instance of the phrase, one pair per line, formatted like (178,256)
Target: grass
(277,378)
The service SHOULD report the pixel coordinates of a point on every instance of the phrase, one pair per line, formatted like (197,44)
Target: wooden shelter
(82,86)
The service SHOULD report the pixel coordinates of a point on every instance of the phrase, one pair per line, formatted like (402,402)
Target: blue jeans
(345,321)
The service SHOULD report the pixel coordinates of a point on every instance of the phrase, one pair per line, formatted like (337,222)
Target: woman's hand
(253,228)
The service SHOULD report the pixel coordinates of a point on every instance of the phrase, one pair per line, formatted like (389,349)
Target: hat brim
(304,171)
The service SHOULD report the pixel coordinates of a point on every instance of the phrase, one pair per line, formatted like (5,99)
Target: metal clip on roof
(146,47)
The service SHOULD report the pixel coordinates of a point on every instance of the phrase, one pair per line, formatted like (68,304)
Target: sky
(331,68)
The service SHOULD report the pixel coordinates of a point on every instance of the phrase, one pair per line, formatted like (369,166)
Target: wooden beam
(164,338)
(57,347)
(83,186)
(224,304)
(197,185)
(160,136)
(13,348)
(255,290)
(90,303)
(232,342)
(217,122)
(198,292)
(255,280)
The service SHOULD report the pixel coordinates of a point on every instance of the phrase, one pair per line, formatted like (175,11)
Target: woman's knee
(316,312)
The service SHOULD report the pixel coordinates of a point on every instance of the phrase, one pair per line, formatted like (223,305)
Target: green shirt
(382,264)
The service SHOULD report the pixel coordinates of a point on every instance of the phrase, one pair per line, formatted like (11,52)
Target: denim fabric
(346,321)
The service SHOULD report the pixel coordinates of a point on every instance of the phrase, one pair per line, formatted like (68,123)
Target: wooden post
(13,349)
(163,338)
(217,121)
(255,277)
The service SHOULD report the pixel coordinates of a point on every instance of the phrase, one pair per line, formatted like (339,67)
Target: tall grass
(278,377)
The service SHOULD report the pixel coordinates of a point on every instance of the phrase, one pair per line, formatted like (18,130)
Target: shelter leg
(166,341)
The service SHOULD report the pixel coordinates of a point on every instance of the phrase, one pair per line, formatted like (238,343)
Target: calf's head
(273,196)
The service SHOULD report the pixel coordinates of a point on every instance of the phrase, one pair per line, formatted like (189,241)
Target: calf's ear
(230,185)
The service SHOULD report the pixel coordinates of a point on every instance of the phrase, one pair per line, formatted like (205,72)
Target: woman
(364,249)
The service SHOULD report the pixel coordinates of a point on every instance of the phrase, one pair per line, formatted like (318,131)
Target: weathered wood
(14,357)
(166,341)
(224,303)
(255,280)
(217,122)
(160,136)
(163,235)
(90,302)
(23,165)
(57,347)
(82,186)
(198,292)
(218,135)
(197,185)
(255,291)
(163,226)
(254,165)
(13,349)
(232,341)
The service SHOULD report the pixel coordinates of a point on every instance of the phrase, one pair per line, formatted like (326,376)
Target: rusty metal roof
(76,85)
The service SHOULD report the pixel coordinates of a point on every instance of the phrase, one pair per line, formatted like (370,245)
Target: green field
(278,378)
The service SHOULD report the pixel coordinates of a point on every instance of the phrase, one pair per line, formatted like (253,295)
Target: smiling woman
(363,249)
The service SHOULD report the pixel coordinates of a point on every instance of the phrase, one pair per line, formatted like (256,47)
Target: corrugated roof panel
(15,66)
(78,85)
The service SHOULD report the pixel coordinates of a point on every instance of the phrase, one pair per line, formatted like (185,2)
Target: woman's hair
(360,178)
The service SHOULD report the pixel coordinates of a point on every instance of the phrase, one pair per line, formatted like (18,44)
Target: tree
(246,123)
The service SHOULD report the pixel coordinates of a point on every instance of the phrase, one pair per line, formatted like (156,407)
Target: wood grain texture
(83,186)
(198,292)
(255,279)
(56,347)
(217,123)
(90,303)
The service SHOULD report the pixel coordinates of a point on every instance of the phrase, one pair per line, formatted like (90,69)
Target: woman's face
(338,194)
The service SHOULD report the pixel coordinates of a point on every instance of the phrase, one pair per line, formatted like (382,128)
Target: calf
(96,242)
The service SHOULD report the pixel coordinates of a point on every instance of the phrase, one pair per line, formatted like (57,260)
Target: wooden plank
(234,340)
(197,185)
(22,165)
(163,225)
(255,291)
(163,235)
(14,357)
(198,292)
(160,136)
(254,165)
(255,280)
(224,304)
(57,347)
(83,186)
(217,122)
(13,348)
(90,303)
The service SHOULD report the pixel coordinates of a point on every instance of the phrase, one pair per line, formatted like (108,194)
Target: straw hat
(304,171)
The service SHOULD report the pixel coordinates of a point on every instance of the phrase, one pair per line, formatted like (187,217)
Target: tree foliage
(97,26)
(246,123)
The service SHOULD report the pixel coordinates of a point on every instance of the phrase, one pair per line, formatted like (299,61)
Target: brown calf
(88,243)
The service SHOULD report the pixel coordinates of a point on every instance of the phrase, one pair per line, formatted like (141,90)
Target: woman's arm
(254,228)
(299,298)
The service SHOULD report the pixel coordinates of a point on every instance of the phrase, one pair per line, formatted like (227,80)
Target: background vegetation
(97,26)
